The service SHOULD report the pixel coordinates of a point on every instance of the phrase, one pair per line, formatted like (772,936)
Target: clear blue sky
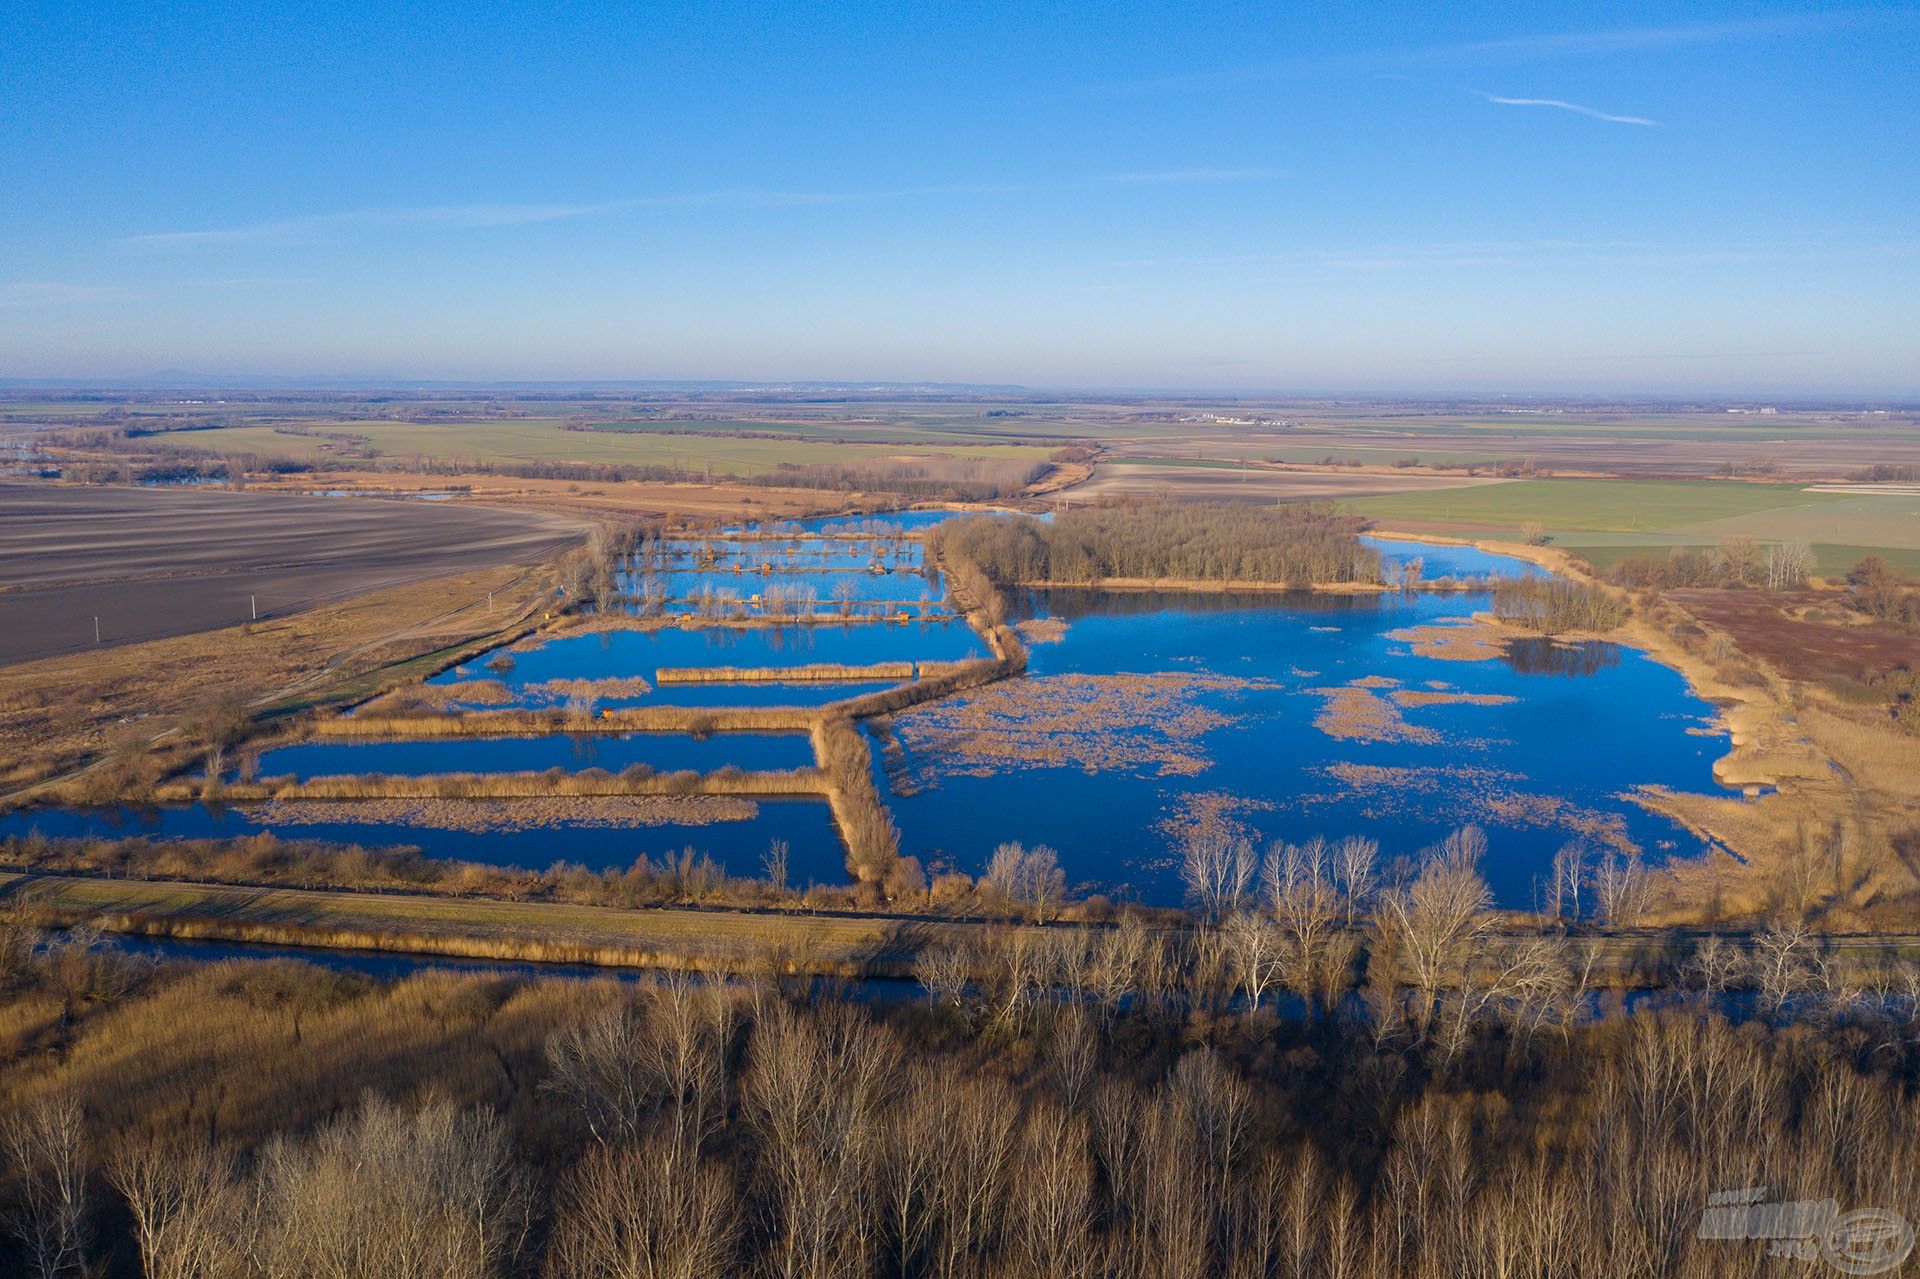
(1610,197)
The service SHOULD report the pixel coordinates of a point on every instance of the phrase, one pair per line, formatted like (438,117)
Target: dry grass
(60,713)
(820,672)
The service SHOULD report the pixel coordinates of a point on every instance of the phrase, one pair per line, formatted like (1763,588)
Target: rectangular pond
(490,832)
(548,673)
(662,752)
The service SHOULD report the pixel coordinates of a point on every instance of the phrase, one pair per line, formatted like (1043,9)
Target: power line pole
(253,602)
(96,628)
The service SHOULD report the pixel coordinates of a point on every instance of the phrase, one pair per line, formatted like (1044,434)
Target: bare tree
(645,1213)
(1302,890)
(1569,875)
(1356,867)
(185,1204)
(774,863)
(1216,866)
(1435,926)
(1030,876)
(45,1142)
(1258,957)
(1620,890)
(427,1194)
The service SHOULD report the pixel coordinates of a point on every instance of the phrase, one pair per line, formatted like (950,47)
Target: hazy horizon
(1635,201)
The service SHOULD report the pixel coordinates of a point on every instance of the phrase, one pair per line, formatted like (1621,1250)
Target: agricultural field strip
(534,440)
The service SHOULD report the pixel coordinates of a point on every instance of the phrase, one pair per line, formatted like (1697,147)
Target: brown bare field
(687,501)
(151,563)
(1774,626)
(61,711)
(1258,484)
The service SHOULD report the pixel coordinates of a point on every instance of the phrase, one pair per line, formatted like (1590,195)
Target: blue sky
(1611,198)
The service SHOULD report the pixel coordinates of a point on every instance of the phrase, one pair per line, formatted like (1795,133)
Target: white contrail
(1560,105)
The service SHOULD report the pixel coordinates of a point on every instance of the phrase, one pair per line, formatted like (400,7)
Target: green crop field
(1610,520)
(545,440)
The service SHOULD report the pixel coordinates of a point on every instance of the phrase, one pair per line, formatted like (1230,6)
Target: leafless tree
(1786,963)
(1434,926)
(944,971)
(1569,876)
(1217,867)
(1356,868)
(1028,875)
(1620,890)
(1302,890)
(645,1213)
(186,1206)
(427,1194)
(1258,958)
(45,1143)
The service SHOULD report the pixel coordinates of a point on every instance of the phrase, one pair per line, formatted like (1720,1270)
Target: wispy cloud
(1518,49)
(1559,104)
(329,227)
(1181,177)
(53,293)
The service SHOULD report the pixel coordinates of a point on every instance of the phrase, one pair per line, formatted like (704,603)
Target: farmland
(152,563)
(547,440)
(1608,520)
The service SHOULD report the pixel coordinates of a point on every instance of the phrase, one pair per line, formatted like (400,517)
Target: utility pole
(96,628)
(253,602)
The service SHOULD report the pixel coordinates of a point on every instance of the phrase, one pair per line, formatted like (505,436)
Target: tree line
(1301,543)
(250,1119)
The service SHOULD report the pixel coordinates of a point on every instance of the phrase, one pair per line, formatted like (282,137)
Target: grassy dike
(698,940)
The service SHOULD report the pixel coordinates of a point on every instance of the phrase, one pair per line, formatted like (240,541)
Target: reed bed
(636,779)
(873,841)
(539,723)
(819,672)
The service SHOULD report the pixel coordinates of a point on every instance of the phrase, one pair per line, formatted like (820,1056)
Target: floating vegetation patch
(591,690)
(1092,722)
(483,815)
(1212,813)
(1357,713)
(1429,697)
(1464,793)
(1455,639)
(1042,630)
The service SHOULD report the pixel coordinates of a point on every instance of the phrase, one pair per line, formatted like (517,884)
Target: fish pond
(598,833)
(1393,716)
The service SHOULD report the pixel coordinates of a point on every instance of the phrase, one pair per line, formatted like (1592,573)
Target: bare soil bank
(152,563)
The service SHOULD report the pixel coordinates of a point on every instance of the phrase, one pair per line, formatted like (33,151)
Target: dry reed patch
(1217,814)
(1455,639)
(1428,697)
(1460,793)
(485,815)
(1359,714)
(814,672)
(1091,722)
(592,690)
(1042,630)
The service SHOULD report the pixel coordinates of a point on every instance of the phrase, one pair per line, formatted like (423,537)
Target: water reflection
(1538,655)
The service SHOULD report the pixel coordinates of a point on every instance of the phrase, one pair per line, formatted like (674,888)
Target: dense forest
(1298,544)
(1126,1108)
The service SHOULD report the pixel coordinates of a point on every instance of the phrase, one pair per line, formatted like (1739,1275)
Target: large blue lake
(1291,716)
